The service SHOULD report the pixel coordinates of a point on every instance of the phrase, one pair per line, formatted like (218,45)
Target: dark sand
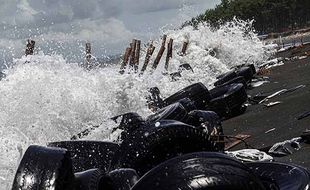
(283,117)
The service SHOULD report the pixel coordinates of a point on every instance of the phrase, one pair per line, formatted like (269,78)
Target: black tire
(174,111)
(210,123)
(89,154)
(128,121)
(245,72)
(199,117)
(164,140)
(281,176)
(177,111)
(44,168)
(185,66)
(225,78)
(239,79)
(154,100)
(123,179)
(252,66)
(188,104)
(175,76)
(197,93)
(201,171)
(228,100)
(89,180)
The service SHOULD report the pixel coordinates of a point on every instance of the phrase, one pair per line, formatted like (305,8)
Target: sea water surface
(43,98)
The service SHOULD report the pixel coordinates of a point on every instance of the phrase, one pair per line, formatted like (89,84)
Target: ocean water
(44,98)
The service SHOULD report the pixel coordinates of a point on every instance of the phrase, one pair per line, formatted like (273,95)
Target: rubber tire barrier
(225,78)
(245,72)
(200,170)
(177,111)
(239,79)
(209,122)
(197,93)
(185,66)
(159,142)
(252,66)
(44,168)
(123,179)
(228,100)
(281,176)
(89,180)
(128,121)
(89,154)
(154,100)
(199,117)
(175,76)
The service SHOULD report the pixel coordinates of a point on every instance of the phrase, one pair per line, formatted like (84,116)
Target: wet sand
(283,117)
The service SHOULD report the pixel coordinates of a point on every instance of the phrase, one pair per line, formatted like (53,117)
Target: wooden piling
(88,55)
(184,48)
(169,53)
(30,47)
(137,56)
(149,53)
(125,60)
(163,43)
(160,53)
(133,53)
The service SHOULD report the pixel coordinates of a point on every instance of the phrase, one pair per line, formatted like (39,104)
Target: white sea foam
(43,98)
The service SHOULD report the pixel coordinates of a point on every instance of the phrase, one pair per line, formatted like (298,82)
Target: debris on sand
(304,115)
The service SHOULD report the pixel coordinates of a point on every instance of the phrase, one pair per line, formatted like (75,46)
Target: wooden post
(160,53)
(163,43)
(133,53)
(125,60)
(184,48)
(137,56)
(169,53)
(30,47)
(88,55)
(149,53)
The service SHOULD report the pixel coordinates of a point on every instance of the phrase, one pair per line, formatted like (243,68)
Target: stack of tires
(46,168)
(227,99)
(92,165)
(180,146)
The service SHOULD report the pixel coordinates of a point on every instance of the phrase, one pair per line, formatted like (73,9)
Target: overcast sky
(64,25)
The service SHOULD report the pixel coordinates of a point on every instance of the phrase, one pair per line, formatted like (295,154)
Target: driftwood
(149,53)
(30,47)
(169,53)
(125,60)
(137,55)
(160,53)
(237,140)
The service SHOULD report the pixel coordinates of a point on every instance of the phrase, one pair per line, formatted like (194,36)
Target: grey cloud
(108,24)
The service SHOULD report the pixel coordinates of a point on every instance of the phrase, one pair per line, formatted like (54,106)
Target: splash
(43,98)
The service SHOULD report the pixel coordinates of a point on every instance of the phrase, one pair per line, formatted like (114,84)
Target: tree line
(269,15)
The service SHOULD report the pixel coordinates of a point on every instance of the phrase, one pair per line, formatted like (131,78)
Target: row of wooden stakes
(132,55)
